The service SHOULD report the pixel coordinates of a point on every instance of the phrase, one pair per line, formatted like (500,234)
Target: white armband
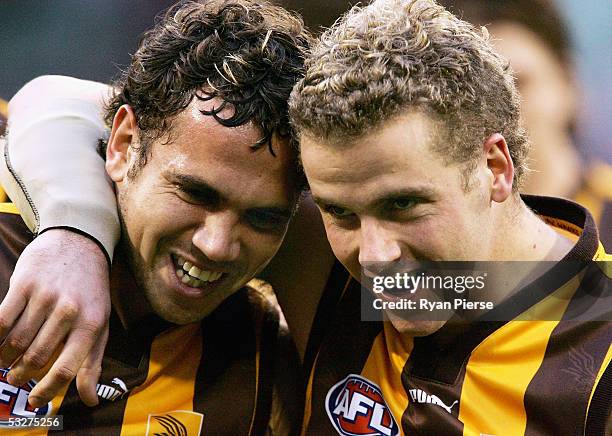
(51,170)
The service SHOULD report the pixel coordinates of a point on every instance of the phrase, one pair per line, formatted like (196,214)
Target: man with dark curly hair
(205,178)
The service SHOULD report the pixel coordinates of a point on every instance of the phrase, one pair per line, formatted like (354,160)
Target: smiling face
(387,197)
(204,214)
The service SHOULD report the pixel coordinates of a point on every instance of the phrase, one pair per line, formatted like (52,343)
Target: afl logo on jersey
(14,400)
(356,407)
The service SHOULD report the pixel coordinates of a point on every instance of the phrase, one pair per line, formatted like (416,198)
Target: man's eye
(266,220)
(338,212)
(403,203)
(189,197)
(196,197)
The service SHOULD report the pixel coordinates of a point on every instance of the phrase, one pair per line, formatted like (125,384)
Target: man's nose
(217,236)
(378,246)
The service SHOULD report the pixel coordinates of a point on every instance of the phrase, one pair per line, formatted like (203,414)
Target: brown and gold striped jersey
(3,115)
(595,194)
(485,378)
(3,119)
(231,374)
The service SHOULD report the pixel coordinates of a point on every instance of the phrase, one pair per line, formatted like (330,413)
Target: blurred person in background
(533,36)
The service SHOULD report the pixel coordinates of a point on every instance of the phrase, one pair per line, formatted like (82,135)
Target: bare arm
(50,167)
(52,172)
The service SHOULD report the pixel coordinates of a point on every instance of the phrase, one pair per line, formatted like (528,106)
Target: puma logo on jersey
(356,407)
(420,396)
(111,392)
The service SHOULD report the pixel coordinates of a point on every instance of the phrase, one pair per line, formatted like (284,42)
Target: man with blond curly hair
(410,139)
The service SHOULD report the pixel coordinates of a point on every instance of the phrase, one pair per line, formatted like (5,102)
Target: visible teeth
(193,276)
(204,275)
(194,271)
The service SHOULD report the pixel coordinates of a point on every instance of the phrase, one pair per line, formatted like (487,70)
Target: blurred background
(560,50)
(91,38)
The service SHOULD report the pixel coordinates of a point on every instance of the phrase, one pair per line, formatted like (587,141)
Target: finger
(89,373)
(21,336)
(63,370)
(10,310)
(46,343)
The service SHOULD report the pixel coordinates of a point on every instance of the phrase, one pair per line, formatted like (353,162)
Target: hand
(58,302)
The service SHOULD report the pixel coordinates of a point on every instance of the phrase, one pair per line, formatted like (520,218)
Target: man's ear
(119,153)
(500,165)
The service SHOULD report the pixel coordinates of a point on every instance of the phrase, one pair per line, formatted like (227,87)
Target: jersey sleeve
(50,166)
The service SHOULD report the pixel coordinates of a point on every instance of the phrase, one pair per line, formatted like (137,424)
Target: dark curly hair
(248,53)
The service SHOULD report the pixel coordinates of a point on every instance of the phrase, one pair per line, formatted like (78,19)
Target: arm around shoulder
(50,166)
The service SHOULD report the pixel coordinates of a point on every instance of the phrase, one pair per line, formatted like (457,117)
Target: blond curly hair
(394,56)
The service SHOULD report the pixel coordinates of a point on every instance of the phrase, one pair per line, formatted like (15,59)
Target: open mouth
(193,276)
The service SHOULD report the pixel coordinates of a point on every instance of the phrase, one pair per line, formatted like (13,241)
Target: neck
(126,297)
(525,236)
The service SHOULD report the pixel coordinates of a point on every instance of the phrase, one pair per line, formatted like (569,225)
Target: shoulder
(14,237)
(248,313)
(266,314)
(14,234)
(262,300)
(3,115)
